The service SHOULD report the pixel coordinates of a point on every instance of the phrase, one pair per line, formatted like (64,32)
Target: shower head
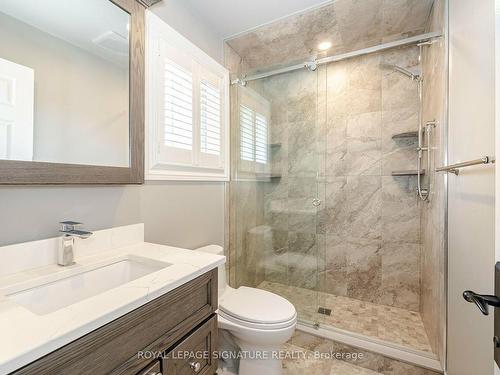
(406,72)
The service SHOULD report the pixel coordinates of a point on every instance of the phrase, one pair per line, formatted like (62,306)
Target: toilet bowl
(258,321)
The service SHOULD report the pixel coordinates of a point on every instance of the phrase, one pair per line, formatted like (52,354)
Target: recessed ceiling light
(323,46)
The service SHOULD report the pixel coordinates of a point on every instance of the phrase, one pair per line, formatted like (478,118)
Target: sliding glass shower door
(277,188)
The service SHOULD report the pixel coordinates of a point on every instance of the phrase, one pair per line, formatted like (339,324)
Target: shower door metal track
(325,60)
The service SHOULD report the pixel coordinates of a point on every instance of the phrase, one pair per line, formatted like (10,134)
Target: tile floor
(307,363)
(390,324)
(311,365)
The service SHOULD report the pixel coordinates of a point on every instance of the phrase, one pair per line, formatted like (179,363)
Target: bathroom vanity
(181,320)
(125,307)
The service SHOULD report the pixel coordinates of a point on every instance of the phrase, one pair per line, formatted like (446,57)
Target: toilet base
(230,349)
(261,367)
(262,361)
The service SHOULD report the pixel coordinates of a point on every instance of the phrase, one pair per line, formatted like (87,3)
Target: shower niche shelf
(268,176)
(407,173)
(274,146)
(405,135)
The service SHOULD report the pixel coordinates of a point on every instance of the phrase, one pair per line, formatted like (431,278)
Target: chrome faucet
(65,255)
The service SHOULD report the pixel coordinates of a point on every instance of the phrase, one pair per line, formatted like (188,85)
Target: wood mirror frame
(42,173)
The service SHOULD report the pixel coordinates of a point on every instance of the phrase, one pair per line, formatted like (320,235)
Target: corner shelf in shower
(268,176)
(274,146)
(405,135)
(407,173)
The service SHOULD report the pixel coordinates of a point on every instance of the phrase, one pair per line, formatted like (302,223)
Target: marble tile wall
(348,24)
(433,300)
(370,239)
(380,223)
(294,219)
(335,128)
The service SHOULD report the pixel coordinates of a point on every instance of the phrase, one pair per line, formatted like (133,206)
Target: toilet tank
(221,270)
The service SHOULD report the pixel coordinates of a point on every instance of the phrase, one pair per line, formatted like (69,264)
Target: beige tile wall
(348,24)
(335,128)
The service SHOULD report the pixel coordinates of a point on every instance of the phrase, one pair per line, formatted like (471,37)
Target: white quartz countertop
(26,336)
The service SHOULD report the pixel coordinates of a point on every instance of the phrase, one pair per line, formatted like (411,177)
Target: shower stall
(330,204)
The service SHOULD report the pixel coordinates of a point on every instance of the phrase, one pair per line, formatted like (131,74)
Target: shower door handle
(316,202)
(482,301)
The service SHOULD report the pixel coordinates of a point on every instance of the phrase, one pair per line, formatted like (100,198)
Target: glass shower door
(324,310)
(275,201)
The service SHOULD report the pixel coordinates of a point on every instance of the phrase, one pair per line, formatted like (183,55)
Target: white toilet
(258,321)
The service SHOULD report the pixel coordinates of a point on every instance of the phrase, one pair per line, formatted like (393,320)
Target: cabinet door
(194,354)
(152,369)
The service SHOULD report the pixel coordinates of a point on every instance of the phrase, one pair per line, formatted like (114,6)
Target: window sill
(171,176)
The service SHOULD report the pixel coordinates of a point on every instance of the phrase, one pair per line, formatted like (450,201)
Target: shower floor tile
(391,324)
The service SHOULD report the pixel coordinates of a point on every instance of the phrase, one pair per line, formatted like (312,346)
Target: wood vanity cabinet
(152,369)
(153,339)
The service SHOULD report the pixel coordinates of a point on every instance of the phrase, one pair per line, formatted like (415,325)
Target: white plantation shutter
(253,136)
(260,138)
(210,119)
(254,115)
(178,107)
(247,131)
(188,104)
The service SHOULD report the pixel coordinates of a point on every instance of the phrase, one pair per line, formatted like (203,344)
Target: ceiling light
(323,46)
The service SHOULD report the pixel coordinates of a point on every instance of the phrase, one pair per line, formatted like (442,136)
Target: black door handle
(482,301)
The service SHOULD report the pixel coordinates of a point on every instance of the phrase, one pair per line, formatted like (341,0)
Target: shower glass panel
(318,216)
(278,161)
(323,203)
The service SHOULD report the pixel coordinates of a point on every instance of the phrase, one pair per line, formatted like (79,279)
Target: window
(260,139)
(178,96)
(188,111)
(254,114)
(210,119)
(253,136)
(247,133)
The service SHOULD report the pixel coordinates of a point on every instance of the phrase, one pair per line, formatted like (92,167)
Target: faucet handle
(69,225)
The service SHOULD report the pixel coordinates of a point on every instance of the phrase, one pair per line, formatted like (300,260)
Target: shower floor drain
(324,311)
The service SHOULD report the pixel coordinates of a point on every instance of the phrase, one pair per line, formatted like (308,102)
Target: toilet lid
(256,305)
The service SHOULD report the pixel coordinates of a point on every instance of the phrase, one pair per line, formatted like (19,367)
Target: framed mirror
(71,92)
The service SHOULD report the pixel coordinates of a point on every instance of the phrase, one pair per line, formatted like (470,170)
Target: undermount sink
(49,297)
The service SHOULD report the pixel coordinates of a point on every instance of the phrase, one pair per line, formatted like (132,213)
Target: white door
(16,111)
(471,194)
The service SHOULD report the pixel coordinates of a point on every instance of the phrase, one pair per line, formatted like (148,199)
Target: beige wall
(191,25)
(471,195)
(183,214)
(179,214)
